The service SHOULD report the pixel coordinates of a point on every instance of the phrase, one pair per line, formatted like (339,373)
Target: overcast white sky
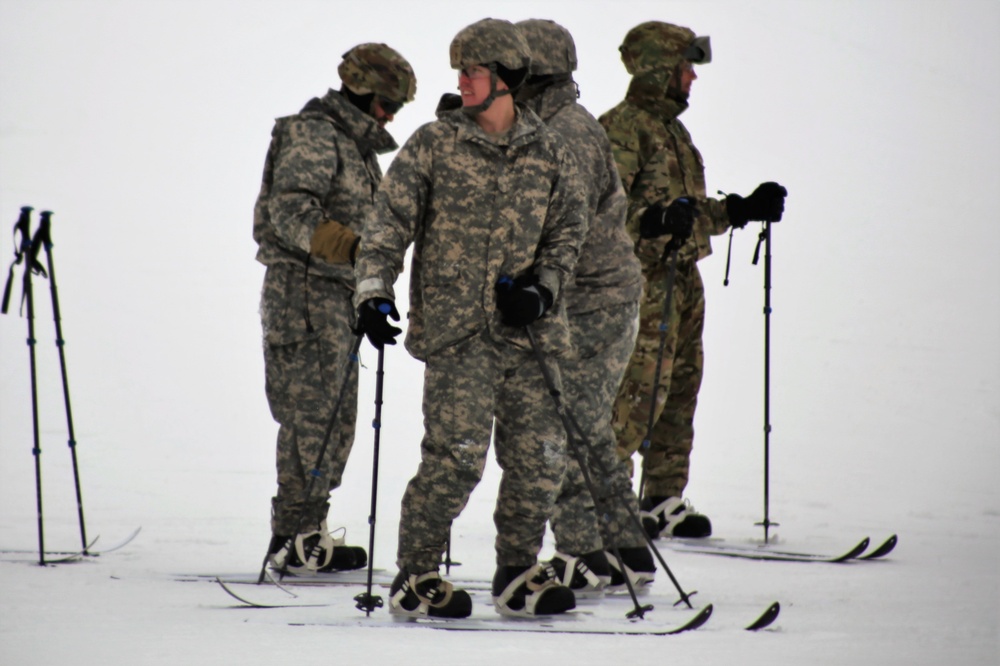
(144,126)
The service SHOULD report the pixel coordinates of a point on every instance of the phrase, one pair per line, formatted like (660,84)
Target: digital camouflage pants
(667,460)
(307,340)
(465,387)
(602,345)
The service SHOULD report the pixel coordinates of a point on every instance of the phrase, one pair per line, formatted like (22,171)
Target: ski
(57,556)
(571,622)
(121,544)
(766,619)
(260,604)
(292,600)
(67,555)
(764,552)
(339,578)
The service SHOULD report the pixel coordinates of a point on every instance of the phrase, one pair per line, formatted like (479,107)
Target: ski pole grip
(23,225)
(45,228)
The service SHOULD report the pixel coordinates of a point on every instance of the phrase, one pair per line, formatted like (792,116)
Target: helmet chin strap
(476,109)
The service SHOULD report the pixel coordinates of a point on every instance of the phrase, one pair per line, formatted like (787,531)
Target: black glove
(766,204)
(677,219)
(373,321)
(522,301)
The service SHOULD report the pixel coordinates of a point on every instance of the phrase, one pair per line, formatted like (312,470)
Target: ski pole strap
(7,287)
(39,239)
(22,249)
(760,240)
(729,256)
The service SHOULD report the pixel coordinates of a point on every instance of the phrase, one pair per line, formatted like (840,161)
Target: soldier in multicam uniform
(492,202)
(664,177)
(602,303)
(320,179)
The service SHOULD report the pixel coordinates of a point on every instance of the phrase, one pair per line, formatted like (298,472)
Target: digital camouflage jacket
(321,167)
(657,161)
(475,208)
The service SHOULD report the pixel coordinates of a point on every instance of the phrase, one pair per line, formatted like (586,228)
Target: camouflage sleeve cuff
(372,288)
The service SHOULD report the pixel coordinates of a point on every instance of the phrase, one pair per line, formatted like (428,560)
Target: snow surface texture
(143,126)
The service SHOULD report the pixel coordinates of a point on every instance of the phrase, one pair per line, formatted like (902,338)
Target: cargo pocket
(283,306)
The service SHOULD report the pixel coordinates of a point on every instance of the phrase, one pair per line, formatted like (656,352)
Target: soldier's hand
(766,204)
(522,301)
(334,243)
(677,219)
(373,321)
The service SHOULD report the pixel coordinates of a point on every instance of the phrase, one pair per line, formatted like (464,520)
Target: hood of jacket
(652,92)
(358,125)
(550,100)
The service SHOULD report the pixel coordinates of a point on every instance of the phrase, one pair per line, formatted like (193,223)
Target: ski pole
(765,237)
(576,437)
(664,327)
(366,601)
(315,473)
(29,248)
(45,232)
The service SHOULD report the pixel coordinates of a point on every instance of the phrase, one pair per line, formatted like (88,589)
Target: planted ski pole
(315,472)
(765,238)
(29,250)
(672,250)
(577,442)
(637,521)
(366,601)
(23,253)
(45,234)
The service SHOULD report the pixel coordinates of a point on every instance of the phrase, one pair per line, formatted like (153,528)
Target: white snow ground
(144,126)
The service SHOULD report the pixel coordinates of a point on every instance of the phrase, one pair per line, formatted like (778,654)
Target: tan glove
(334,243)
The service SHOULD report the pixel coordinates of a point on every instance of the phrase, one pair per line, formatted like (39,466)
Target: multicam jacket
(321,166)
(475,209)
(608,272)
(657,161)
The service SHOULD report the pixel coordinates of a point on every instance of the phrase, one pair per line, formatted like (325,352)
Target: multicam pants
(602,341)
(307,340)
(667,461)
(465,387)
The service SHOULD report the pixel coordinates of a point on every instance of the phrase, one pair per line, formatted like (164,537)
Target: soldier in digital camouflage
(320,178)
(492,202)
(602,302)
(664,177)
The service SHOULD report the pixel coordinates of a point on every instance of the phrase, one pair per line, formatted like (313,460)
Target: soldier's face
(474,85)
(381,117)
(687,78)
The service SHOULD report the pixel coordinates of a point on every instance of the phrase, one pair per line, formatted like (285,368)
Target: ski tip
(884,549)
(767,618)
(853,552)
(698,620)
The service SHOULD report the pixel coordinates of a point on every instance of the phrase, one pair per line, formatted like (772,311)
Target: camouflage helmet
(553,50)
(490,40)
(376,68)
(655,45)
